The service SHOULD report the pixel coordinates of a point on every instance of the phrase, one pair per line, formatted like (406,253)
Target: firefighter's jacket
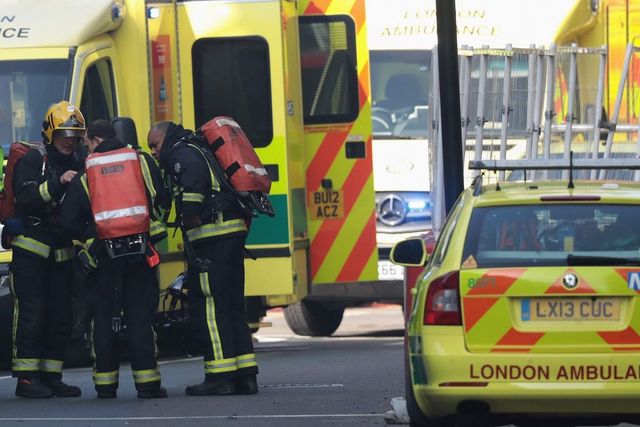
(76,216)
(38,192)
(195,186)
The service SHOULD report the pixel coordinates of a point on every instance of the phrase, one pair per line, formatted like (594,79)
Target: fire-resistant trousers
(217,309)
(139,301)
(41,289)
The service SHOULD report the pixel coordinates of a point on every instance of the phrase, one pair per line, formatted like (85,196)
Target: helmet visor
(72,122)
(70,133)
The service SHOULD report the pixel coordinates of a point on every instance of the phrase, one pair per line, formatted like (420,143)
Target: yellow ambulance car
(528,308)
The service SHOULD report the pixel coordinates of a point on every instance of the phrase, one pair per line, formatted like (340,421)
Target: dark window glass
(231,78)
(27,89)
(553,235)
(329,69)
(400,81)
(98,94)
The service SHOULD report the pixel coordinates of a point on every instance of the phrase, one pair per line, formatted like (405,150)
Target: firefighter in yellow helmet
(41,267)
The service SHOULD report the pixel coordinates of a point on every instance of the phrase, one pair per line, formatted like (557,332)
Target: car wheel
(313,319)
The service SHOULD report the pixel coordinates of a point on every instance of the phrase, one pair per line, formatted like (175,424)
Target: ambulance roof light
(153,13)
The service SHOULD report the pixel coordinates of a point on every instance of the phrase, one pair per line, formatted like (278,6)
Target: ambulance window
(400,93)
(27,89)
(98,95)
(231,78)
(329,69)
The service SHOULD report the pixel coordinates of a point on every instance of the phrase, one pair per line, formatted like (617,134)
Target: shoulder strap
(43,153)
(45,157)
(214,169)
(148,182)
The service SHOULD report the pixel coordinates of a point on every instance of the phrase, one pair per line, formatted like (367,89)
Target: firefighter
(214,243)
(41,267)
(126,284)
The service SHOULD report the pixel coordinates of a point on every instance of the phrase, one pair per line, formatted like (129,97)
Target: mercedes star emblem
(392,210)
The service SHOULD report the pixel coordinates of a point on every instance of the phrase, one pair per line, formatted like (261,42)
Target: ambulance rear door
(232,62)
(338,159)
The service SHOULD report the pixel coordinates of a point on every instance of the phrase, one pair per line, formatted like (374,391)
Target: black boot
(209,388)
(107,394)
(246,384)
(61,389)
(156,393)
(32,389)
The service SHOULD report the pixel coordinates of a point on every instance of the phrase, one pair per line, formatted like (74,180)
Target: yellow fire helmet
(64,119)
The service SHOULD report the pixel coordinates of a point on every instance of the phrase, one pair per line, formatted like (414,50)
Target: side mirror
(126,131)
(409,253)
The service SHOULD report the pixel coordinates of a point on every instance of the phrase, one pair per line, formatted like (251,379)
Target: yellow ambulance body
(293,74)
(614,24)
(296,79)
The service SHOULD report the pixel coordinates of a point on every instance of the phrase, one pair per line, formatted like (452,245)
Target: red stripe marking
(628,336)
(503,281)
(635,65)
(558,288)
(363,84)
(329,229)
(326,153)
(513,337)
(357,13)
(624,273)
(475,308)
(317,7)
(357,259)
(630,348)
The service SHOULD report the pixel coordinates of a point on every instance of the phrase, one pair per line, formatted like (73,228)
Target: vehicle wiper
(573,260)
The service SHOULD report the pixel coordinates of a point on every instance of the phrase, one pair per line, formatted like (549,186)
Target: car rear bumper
(445,377)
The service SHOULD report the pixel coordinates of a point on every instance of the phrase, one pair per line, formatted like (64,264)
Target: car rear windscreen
(553,235)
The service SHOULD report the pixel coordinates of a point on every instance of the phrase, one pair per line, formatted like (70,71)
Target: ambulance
(294,75)
(402,36)
(526,312)
(613,24)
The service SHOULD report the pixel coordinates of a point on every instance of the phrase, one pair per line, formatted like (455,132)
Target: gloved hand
(88,263)
(14,226)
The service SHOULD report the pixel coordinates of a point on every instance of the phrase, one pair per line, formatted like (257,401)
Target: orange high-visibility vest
(117,193)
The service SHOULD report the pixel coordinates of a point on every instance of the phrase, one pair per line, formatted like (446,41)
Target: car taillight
(443,301)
